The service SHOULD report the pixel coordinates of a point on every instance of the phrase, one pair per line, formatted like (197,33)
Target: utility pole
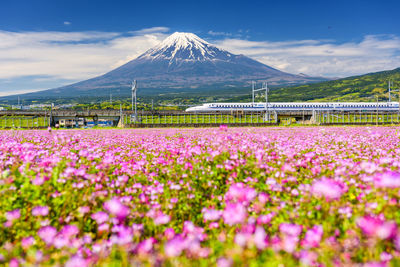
(152,104)
(51,115)
(390,98)
(377,111)
(252,91)
(266,98)
(121,119)
(134,89)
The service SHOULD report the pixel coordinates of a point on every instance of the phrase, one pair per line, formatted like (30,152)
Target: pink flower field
(204,197)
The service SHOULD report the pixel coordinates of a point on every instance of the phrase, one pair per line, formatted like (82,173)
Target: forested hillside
(357,88)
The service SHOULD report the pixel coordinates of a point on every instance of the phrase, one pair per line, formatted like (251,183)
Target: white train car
(296,106)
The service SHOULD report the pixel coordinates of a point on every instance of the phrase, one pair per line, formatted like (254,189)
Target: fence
(23,122)
(182,119)
(357,117)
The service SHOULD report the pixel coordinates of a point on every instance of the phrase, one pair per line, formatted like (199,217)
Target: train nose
(190,109)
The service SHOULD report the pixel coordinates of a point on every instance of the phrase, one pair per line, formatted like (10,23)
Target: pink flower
(40,211)
(290,229)
(290,238)
(259,238)
(13,215)
(388,179)
(146,246)
(124,235)
(13,263)
(69,231)
(240,193)
(224,262)
(161,218)
(265,218)
(115,207)
(234,214)
(76,261)
(308,258)
(223,127)
(313,237)
(375,264)
(175,246)
(169,233)
(47,234)
(375,227)
(327,188)
(100,217)
(83,210)
(242,238)
(27,242)
(289,243)
(211,214)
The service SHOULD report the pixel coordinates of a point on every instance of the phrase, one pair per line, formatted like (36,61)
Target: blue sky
(48,43)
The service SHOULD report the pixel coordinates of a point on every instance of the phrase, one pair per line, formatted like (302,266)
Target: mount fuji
(182,63)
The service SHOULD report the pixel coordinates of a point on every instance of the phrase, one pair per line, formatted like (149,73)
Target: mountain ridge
(364,88)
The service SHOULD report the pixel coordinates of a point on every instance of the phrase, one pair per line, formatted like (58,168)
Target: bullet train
(296,106)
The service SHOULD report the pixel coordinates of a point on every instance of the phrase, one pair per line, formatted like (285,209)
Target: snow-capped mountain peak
(187,47)
(182,40)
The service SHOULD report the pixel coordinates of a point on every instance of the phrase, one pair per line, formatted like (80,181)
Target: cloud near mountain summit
(65,57)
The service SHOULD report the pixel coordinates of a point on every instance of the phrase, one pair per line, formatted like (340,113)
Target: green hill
(356,88)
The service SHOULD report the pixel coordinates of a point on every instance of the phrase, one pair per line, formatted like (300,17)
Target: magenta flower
(242,238)
(60,241)
(290,237)
(40,211)
(115,207)
(211,214)
(313,237)
(169,233)
(290,229)
(161,218)
(240,193)
(308,258)
(100,217)
(223,127)
(13,215)
(76,261)
(124,235)
(69,231)
(175,246)
(234,213)
(47,234)
(27,242)
(388,179)
(13,262)
(146,246)
(374,227)
(224,262)
(327,188)
(259,238)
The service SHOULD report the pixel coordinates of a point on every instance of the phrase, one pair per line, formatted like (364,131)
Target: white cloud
(323,57)
(67,23)
(151,30)
(64,57)
(70,55)
(213,33)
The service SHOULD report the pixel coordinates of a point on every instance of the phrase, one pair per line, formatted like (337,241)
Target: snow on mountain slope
(185,46)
